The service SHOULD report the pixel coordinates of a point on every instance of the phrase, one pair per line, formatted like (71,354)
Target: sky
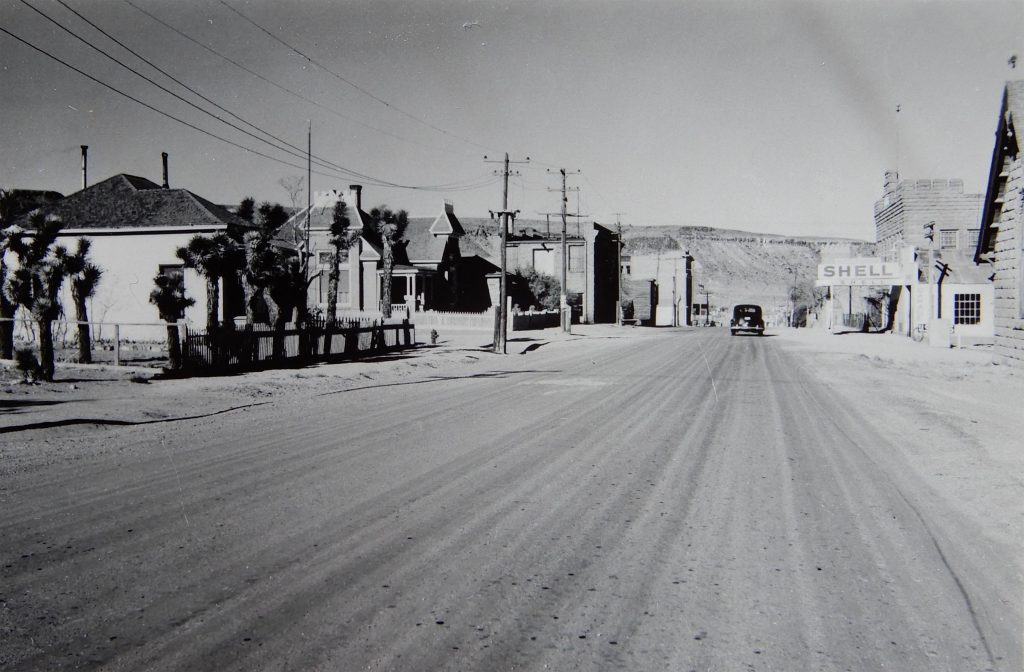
(767,116)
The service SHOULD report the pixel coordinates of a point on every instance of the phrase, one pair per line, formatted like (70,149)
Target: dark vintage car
(747,317)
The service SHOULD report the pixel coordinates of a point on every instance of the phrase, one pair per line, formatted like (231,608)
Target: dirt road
(687,501)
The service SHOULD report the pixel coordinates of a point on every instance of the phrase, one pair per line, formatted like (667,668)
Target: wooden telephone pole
(566,316)
(618,271)
(503,215)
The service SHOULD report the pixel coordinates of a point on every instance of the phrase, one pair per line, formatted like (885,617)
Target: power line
(295,151)
(147,105)
(285,89)
(376,182)
(349,82)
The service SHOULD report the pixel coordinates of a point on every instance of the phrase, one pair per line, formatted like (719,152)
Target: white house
(135,227)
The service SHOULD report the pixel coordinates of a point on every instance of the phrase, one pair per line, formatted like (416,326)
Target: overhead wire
(153,108)
(285,89)
(295,151)
(350,83)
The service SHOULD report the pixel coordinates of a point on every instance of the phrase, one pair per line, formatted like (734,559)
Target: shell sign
(859,272)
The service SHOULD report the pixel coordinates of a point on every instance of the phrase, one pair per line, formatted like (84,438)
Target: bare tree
(295,186)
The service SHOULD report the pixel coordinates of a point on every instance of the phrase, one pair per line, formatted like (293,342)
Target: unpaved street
(683,501)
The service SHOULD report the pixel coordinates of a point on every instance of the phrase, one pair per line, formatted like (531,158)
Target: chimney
(358,189)
(892,179)
(166,183)
(85,166)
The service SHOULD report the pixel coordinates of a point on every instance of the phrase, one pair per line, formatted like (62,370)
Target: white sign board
(865,271)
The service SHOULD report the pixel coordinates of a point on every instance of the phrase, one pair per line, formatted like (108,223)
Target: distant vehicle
(747,317)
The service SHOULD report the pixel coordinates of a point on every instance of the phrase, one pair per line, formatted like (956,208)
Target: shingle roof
(130,202)
(321,215)
(421,244)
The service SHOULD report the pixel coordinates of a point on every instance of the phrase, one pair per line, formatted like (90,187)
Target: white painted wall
(130,259)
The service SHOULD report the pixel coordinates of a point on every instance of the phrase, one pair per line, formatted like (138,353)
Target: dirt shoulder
(103,394)
(953,413)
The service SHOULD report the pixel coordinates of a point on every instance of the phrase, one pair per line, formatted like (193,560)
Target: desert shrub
(545,289)
(27,364)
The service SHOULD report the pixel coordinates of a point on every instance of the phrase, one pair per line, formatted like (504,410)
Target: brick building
(908,205)
(1000,247)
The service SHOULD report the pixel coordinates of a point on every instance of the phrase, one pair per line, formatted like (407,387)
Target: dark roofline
(1004,133)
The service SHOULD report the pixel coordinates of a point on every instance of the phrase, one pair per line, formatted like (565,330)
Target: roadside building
(1000,246)
(591,266)
(135,227)
(930,228)
(425,274)
(908,207)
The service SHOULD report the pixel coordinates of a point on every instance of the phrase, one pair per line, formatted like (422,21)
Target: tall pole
(501,328)
(309,193)
(502,336)
(564,300)
(618,270)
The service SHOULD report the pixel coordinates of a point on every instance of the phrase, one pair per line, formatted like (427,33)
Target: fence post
(117,345)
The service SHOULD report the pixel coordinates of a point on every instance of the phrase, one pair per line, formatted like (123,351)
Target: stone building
(908,206)
(1000,247)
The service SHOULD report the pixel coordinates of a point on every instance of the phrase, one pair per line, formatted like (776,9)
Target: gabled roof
(447,224)
(1011,114)
(321,216)
(421,244)
(130,202)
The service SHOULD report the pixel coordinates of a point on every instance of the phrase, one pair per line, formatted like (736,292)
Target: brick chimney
(358,189)
(166,183)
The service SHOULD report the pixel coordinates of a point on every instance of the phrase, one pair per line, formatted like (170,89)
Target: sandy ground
(911,389)
(806,502)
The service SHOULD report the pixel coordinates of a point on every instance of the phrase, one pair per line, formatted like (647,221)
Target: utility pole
(618,270)
(566,317)
(501,328)
(309,198)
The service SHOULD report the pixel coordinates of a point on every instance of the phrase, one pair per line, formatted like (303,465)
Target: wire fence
(117,343)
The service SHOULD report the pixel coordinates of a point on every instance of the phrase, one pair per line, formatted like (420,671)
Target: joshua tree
(214,257)
(170,300)
(390,226)
(342,238)
(35,283)
(286,288)
(259,256)
(84,276)
(8,308)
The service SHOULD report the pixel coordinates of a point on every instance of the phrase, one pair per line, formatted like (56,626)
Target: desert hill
(734,266)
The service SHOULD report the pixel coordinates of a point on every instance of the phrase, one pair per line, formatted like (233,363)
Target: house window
(172,270)
(576,258)
(324,258)
(544,261)
(966,308)
(948,238)
(972,238)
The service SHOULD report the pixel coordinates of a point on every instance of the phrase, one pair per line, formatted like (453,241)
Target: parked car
(747,317)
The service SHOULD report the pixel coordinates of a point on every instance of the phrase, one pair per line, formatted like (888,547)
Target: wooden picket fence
(261,347)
